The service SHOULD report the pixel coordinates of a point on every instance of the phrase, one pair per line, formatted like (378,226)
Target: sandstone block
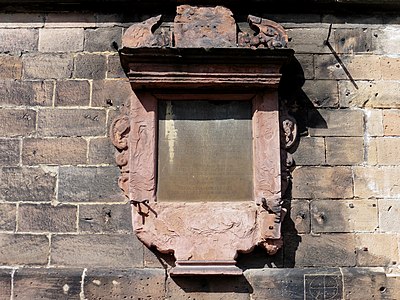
(47,218)
(344,215)
(7,217)
(17,122)
(374,249)
(58,66)
(361,67)
(21,20)
(298,218)
(114,68)
(391,122)
(89,184)
(322,93)
(105,250)
(390,67)
(70,20)
(76,122)
(26,184)
(336,123)
(101,151)
(108,93)
(374,122)
(125,284)
(10,67)
(322,182)
(307,64)
(61,39)
(18,40)
(311,151)
(389,211)
(23,249)
(308,40)
(32,93)
(90,66)
(115,218)
(9,152)
(325,250)
(5,284)
(344,150)
(383,182)
(386,40)
(72,93)
(47,284)
(384,151)
(54,151)
(103,39)
(352,40)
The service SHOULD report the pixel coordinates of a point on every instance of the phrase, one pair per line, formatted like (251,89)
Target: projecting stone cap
(208,27)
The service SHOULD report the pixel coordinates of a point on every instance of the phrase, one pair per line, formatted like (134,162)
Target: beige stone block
(384,151)
(344,150)
(352,40)
(375,94)
(375,249)
(374,122)
(382,182)
(389,212)
(391,122)
(307,64)
(386,40)
(297,220)
(308,40)
(390,68)
(311,151)
(360,67)
(61,39)
(322,93)
(322,182)
(344,216)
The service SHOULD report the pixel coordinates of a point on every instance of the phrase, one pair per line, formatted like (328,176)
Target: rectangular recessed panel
(205,151)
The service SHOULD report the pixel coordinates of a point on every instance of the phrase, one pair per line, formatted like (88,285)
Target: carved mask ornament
(205,59)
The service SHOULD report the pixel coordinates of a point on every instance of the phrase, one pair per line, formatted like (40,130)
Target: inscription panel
(205,151)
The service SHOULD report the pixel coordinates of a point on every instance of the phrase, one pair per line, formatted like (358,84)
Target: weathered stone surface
(383,182)
(352,40)
(58,151)
(72,93)
(26,184)
(376,94)
(5,284)
(114,68)
(23,249)
(311,151)
(47,218)
(389,68)
(17,40)
(322,93)
(115,218)
(10,67)
(392,287)
(336,123)
(58,66)
(108,93)
(47,284)
(384,151)
(298,218)
(322,182)
(344,150)
(125,284)
(344,215)
(17,122)
(386,40)
(208,288)
(360,67)
(375,249)
(389,211)
(9,152)
(106,250)
(103,39)
(61,40)
(7,217)
(21,20)
(391,122)
(295,284)
(374,122)
(307,63)
(91,184)
(101,151)
(32,93)
(75,122)
(308,40)
(90,66)
(207,27)
(70,20)
(324,250)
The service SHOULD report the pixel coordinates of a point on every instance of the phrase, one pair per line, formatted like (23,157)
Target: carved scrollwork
(268,34)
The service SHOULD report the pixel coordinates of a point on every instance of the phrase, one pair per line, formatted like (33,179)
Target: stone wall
(65,227)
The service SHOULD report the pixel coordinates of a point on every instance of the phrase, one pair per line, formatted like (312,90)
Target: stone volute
(203,57)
